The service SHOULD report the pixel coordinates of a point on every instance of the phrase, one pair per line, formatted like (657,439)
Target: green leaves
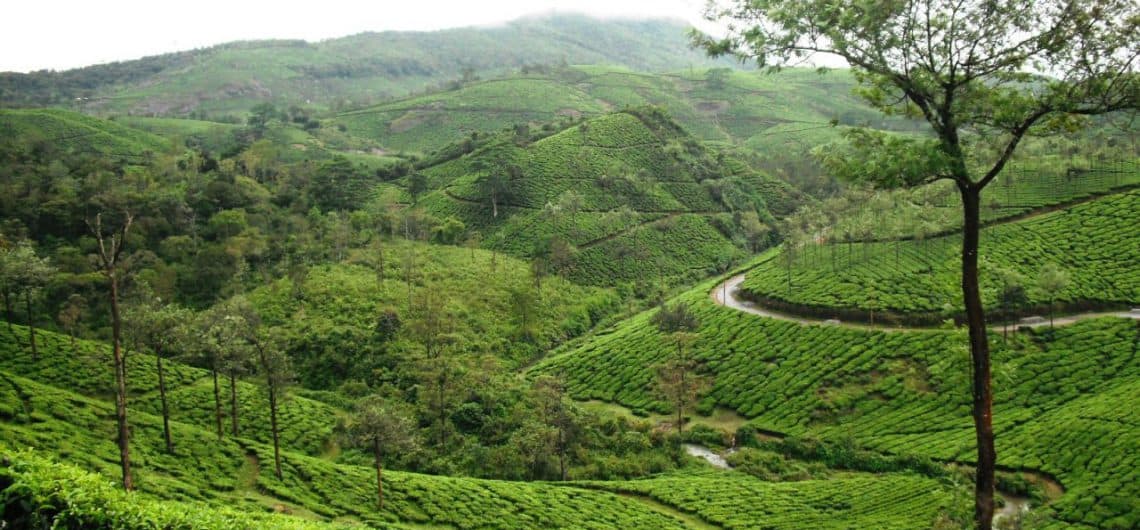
(885,160)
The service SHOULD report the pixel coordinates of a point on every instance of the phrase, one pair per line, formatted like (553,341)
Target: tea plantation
(1059,395)
(1096,242)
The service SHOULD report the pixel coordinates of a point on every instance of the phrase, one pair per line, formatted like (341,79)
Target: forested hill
(350,71)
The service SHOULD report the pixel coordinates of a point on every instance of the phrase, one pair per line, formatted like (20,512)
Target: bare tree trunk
(32,324)
(8,309)
(273,427)
(165,409)
(217,403)
(379,474)
(120,385)
(234,424)
(980,355)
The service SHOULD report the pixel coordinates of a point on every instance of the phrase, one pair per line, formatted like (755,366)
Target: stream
(1014,504)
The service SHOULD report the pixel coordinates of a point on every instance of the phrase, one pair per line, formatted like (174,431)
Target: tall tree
(112,242)
(983,75)
(159,327)
(218,330)
(1051,280)
(381,426)
(269,347)
(71,314)
(677,380)
(31,273)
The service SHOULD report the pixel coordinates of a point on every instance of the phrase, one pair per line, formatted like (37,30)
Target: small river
(1014,504)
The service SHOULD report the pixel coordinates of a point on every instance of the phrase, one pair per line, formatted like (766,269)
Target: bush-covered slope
(358,69)
(631,194)
(70,131)
(1096,242)
(1057,395)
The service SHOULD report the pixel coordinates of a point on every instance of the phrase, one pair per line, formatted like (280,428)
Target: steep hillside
(355,70)
(623,197)
(1096,243)
(1058,395)
(71,131)
(769,112)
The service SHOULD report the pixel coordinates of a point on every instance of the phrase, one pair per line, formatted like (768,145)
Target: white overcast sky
(61,34)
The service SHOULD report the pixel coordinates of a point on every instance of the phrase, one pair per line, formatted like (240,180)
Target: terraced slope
(358,69)
(65,130)
(1096,242)
(652,202)
(1057,406)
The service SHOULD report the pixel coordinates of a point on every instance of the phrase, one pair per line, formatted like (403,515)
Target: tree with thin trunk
(677,377)
(269,347)
(1011,298)
(982,75)
(159,327)
(1051,280)
(71,314)
(30,273)
(217,331)
(557,413)
(381,427)
(111,242)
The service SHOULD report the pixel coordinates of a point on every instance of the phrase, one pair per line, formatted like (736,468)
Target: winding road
(725,294)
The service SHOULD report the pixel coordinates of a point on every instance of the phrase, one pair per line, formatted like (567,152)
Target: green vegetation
(350,71)
(916,280)
(629,196)
(736,500)
(70,131)
(904,393)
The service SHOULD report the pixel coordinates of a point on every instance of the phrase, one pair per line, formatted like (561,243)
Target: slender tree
(382,427)
(111,242)
(158,327)
(30,273)
(677,380)
(1051,280)
(71,314)
(269,347)
(983,75)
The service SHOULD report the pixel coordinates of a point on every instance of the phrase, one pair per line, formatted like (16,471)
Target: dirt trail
(728,289)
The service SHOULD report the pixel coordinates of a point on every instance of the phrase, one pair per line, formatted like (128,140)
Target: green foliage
(895,501)
(1056,400)
(1096,241)
(36,492)
(65,131)
(226,80)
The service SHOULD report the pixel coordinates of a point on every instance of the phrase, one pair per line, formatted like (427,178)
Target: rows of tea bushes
(628,170)
(1096,243)
(735,500)
(901,392)
(38,492)
(306,425)
(238,472)
(65,130)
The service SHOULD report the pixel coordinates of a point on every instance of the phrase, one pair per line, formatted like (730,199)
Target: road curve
(725,294)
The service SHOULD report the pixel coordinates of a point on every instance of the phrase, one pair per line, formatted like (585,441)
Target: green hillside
(1096,242)
(770,113)
(1057,396)
(648,201)
(350,71)
(67,131)
(209,482)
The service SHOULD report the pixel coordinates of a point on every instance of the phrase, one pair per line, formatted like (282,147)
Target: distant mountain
(352,71)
